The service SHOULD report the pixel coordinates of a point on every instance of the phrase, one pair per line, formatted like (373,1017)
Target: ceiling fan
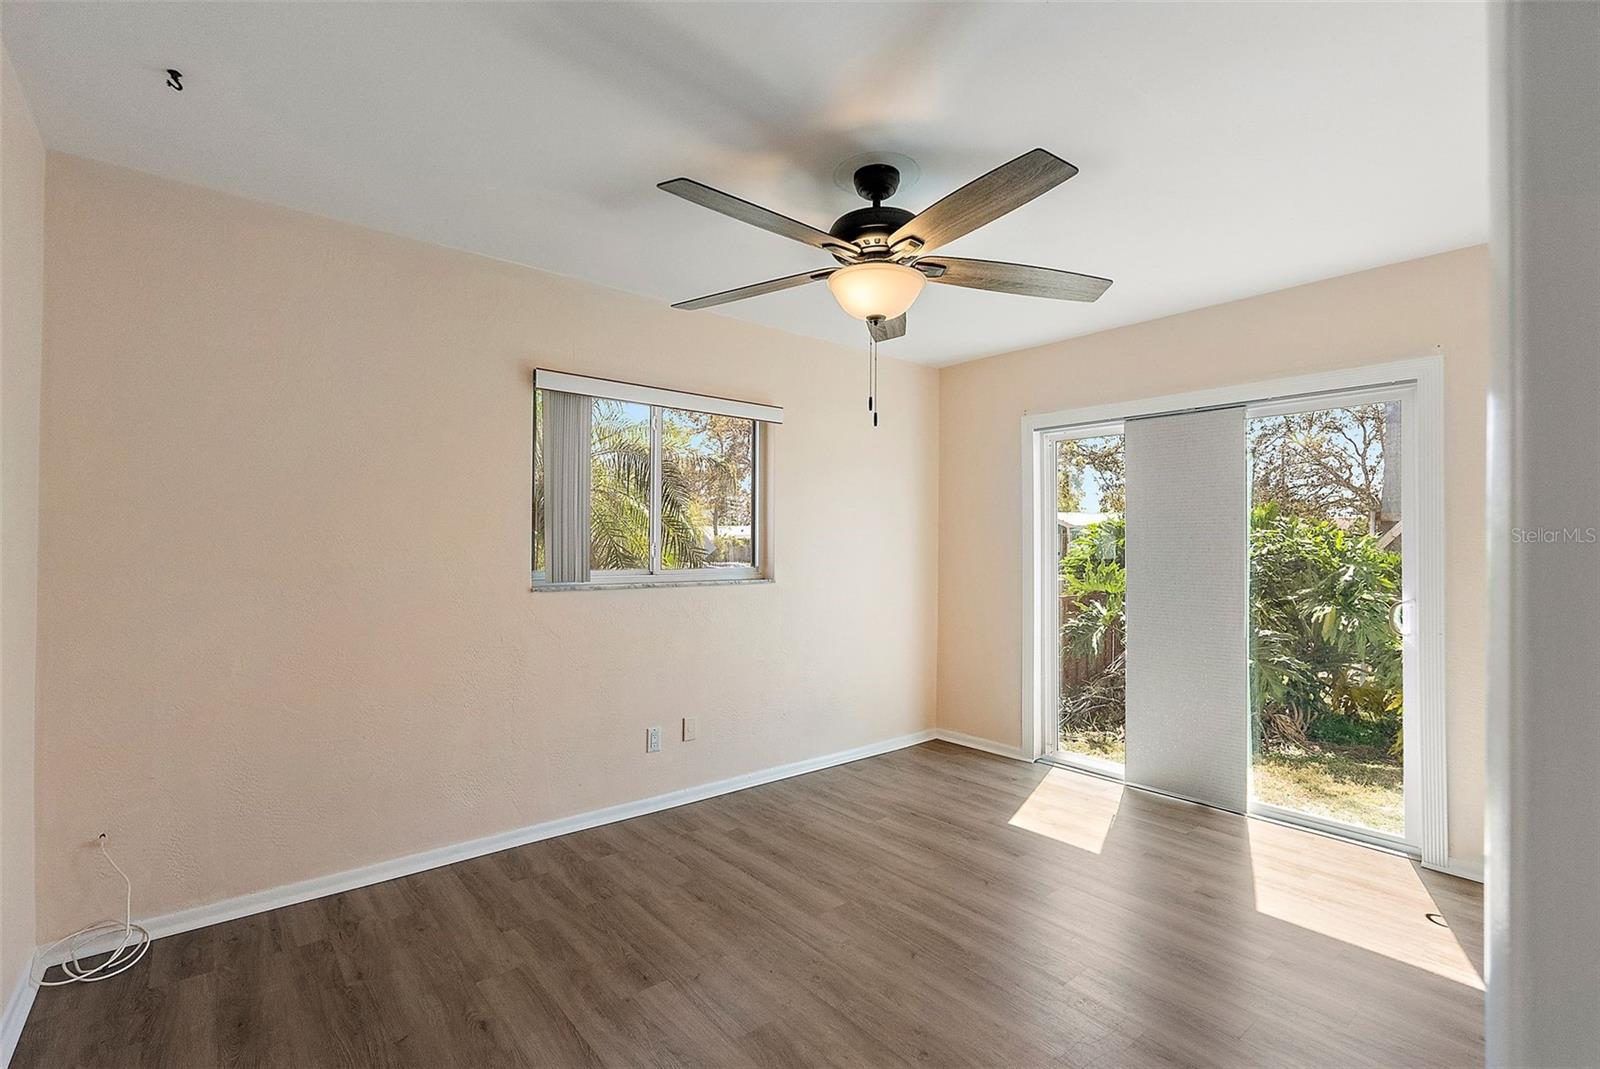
(884,251)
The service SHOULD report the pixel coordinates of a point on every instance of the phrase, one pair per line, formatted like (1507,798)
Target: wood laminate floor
(932,906)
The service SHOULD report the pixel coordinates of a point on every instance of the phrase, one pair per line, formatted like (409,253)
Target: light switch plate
(688,729)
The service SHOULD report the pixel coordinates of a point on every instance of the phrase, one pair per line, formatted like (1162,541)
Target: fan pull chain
(872,378)
(871,347)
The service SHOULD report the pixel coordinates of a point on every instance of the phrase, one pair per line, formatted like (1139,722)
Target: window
(634,484)
(708,517)
(619,486)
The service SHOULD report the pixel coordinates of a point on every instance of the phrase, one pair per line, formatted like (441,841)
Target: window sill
(646,584)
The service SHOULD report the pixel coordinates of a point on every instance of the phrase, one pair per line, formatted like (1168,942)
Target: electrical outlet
(688,729)
(652,740)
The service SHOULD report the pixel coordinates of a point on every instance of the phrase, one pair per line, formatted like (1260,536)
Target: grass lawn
(1355,784)
(1105,744)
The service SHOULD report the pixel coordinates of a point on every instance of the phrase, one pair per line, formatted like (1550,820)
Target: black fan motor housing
(870,227)
(877,182)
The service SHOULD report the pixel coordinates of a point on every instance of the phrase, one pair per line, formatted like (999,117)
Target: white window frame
(1423,472)
(657,399)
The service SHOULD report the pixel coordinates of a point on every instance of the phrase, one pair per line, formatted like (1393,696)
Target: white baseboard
(228,909)
(973,742)
(18,1002)
(1466,870)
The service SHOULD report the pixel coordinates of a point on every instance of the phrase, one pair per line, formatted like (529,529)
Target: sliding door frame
(1411,550)
(1424,435)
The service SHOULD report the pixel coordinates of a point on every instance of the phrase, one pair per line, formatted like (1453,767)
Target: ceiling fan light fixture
(879,244)
(876,290)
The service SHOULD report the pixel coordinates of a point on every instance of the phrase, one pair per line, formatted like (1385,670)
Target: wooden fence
(1075,669)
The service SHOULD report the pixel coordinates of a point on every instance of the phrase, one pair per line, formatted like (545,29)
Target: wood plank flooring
(934,906)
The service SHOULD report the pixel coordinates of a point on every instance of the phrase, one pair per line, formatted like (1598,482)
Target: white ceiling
(1225,149)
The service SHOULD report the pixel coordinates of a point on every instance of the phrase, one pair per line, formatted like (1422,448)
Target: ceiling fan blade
(887,329)
(754,214)
(772,285)
(1014,278)
(983,200)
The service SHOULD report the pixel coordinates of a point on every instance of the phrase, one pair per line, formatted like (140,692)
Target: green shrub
(1096,560)
(1325,665)
(1345,731)
(1093,576)
(1321,646)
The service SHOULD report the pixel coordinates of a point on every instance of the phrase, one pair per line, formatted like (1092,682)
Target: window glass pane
(707,490)
(1092,568)
(1325,579)
(619,511)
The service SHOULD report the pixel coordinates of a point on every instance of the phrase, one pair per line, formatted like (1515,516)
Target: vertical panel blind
(1187,606)
(567,476)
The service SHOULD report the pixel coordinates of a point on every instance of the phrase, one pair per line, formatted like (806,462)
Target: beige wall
(22,166)
(1440,303)
(285,620)
(284,617)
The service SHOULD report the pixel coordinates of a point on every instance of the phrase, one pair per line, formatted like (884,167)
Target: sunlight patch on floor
(1070,808)
(1367,898)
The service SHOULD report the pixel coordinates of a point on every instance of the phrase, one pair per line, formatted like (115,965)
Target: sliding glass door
(1236,597)
(1329,599)
(1090,583)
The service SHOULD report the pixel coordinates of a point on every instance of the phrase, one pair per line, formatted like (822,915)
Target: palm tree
(619,511)
(1321,640)
(714,454)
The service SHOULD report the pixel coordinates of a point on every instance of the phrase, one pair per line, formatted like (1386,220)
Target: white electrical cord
(135,941)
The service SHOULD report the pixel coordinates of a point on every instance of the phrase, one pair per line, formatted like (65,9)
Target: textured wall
(22,165)
(1436,304)
(284,615)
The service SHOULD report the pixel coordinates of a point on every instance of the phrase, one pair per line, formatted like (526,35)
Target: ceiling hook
(175,79)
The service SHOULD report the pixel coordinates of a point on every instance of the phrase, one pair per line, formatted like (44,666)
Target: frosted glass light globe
(877,289)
